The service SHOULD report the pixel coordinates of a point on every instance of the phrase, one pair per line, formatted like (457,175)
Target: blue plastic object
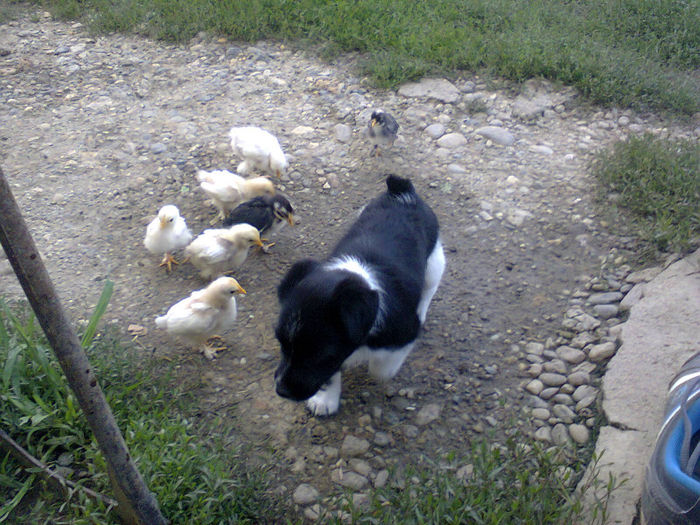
(671,493)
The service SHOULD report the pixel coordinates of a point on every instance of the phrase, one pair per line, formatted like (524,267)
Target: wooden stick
(50,475)
(137,506)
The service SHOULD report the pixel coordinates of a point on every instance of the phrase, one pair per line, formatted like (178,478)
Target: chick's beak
(258,242)
(163,222)
(373,122)
(290,219)
(240,289)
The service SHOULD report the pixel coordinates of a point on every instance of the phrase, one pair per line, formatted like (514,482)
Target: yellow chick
(227,189)
(217,251)
(259,149)
(166,233)
(200,316)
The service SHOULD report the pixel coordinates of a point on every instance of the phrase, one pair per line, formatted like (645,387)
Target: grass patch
(496,484)
(637,53)
(195,479)
(658,182)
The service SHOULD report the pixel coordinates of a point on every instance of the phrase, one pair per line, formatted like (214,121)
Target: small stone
(534,348)
(582,339)
(435,131)
(601,351)
(564,413)
(342,133)
(158,148)
(382,439)
(534,370)
(605,311)
(452,140)
(585,403)
(428,414)
(305,494)
(541,413)
(579,433)
(549,393)
(360,466)
(543,150)
(302,130)
(351,480)
(562,399)
(534,387)
(313,512)
(498,135)
(557,366)
(560,434)
(465,472)
(570,355)
(584,391)
(551,379)
(411,431)
(381,479)
(353,446)
(543,434)
(579,378)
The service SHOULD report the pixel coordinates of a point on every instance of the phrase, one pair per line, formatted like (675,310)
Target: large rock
(619,453)
(659,336)
(437,88)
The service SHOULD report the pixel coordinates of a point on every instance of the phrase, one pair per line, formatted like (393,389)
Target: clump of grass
(634,53)
(519,482)
(195,479)
(658,181)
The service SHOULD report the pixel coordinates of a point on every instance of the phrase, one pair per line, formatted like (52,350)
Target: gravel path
(96,133)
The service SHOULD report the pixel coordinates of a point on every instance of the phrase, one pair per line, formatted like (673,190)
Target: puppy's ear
(296,273)
(357,306)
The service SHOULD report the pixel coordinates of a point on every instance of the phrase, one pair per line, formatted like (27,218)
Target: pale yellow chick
(167,233)
(218,251)
(259,149)
(201,315)
(227,190)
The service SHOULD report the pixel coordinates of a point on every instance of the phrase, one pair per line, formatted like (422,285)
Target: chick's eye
(171,219)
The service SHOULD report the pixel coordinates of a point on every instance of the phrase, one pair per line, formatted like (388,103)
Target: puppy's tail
(399,186)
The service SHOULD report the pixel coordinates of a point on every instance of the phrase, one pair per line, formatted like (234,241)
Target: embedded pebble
(428,414)
(551,379)
(606,311)
(570,355)
(604,298)
(601,351)
(349,479)
(305,494)
(535,386)
(579,433)
(353,446)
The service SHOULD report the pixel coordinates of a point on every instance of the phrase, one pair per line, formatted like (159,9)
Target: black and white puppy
(366,303)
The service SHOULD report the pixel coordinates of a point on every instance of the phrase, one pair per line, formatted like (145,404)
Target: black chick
(267,213)
(382,130)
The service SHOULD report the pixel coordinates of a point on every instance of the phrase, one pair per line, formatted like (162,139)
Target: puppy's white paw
(326,401)
(321,404)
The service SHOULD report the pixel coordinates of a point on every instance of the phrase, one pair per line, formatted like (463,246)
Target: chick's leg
(209,350)
(168,261)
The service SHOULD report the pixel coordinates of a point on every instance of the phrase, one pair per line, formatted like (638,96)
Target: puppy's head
(325,315)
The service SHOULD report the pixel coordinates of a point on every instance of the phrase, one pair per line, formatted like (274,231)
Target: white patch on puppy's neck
(352,264)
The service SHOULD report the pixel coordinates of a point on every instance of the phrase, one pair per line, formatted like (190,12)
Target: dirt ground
(98,132)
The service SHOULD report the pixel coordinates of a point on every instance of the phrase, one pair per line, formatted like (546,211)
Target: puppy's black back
(395,234)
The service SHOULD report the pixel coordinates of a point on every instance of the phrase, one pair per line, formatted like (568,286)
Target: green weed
(658,182)
(637,53)
(195,479)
